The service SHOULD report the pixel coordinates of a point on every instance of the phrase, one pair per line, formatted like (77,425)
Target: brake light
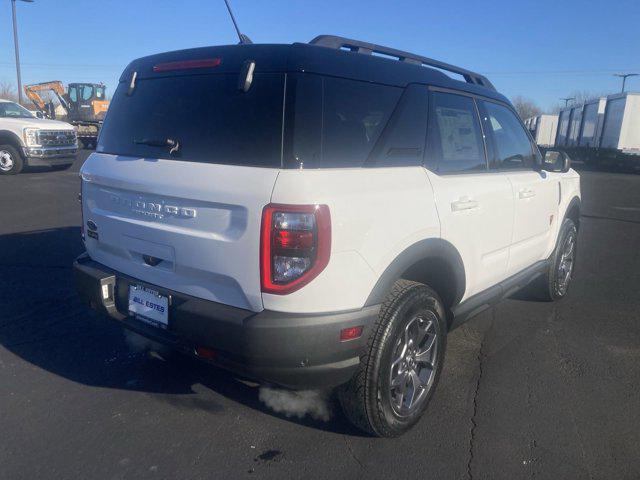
(187,64)
(295,246)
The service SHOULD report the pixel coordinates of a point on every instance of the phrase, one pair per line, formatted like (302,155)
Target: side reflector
(187,64)
(206,353)
(350,333)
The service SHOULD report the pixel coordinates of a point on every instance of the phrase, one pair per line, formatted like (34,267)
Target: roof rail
(341,43)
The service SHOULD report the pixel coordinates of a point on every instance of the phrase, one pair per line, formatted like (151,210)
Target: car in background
(29,141)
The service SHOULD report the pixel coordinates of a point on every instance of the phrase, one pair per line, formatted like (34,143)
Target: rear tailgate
(200,220)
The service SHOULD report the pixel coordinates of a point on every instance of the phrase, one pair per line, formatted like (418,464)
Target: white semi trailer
(603,132)
(544,129)
(621,127)
(592,122)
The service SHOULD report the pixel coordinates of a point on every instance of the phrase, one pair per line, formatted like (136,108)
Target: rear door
(475,206)
(535,192)
(183,168)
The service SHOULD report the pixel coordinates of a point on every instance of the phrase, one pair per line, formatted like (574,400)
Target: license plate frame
(149,306)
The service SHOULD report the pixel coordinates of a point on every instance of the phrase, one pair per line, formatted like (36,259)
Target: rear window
(211,120)
(328,122)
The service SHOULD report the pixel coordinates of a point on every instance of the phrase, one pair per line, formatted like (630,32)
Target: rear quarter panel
(375,215)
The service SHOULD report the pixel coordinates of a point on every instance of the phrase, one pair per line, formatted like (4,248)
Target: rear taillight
(295,245)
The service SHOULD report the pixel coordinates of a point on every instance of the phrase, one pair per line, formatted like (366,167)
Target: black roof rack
(341,43)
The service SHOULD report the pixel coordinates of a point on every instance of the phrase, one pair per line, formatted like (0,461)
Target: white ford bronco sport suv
(26,140)
(318,215)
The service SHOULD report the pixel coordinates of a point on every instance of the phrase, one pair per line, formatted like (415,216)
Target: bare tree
(8,91)
(525,107)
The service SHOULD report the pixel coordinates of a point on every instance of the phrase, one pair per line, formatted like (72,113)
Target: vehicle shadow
(43,322)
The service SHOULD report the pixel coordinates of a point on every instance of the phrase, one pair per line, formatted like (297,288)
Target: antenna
(243,38)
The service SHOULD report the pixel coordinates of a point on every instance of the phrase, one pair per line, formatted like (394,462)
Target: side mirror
(556,161)
(39,114)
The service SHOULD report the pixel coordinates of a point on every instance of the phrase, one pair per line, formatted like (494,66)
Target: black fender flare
(575,202)
(423,250)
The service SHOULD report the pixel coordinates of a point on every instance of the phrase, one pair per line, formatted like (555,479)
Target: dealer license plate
(149,306)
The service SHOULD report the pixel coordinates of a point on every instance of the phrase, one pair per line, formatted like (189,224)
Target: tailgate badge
(153,210)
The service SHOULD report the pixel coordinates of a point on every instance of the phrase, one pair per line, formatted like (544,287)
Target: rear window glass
(210,119)
(333,122)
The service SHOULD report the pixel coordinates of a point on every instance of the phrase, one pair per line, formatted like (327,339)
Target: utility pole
(624,77)
(567,99)
(15,43)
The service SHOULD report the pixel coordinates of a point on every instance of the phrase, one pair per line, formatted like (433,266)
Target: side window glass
(455,138)
(354,114)
(333,122)
(73,94)
(512,145)
(401,143)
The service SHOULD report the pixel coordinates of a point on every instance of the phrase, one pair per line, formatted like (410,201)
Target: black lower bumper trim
(291,350)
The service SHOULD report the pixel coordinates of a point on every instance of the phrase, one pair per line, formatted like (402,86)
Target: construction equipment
(84,106)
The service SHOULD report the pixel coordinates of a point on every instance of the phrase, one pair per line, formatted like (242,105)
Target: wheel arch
(434,262)
(7,137)
(573,211)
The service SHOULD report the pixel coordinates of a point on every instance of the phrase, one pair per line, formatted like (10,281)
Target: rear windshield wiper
(174,145)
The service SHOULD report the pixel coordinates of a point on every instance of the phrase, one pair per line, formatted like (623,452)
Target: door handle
(464,204)
(526,193)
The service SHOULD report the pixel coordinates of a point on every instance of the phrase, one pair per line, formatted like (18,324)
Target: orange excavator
(84,106)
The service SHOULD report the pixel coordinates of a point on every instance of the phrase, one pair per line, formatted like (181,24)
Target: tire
(11,162)
(555,284)
(411,311)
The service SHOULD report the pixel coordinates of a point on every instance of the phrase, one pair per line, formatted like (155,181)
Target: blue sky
(541,49)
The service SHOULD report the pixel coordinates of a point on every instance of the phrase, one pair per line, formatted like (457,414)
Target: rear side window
(512,146)
(207,115)
(401,143)
(455,138)
(333,122)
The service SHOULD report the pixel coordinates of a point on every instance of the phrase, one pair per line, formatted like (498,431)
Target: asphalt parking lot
(529,389)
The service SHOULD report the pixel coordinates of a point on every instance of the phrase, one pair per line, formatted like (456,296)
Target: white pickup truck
(26,140)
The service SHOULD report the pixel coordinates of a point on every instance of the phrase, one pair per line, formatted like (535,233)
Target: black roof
(328,56)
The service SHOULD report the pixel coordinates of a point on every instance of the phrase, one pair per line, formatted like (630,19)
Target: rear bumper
(291,350)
